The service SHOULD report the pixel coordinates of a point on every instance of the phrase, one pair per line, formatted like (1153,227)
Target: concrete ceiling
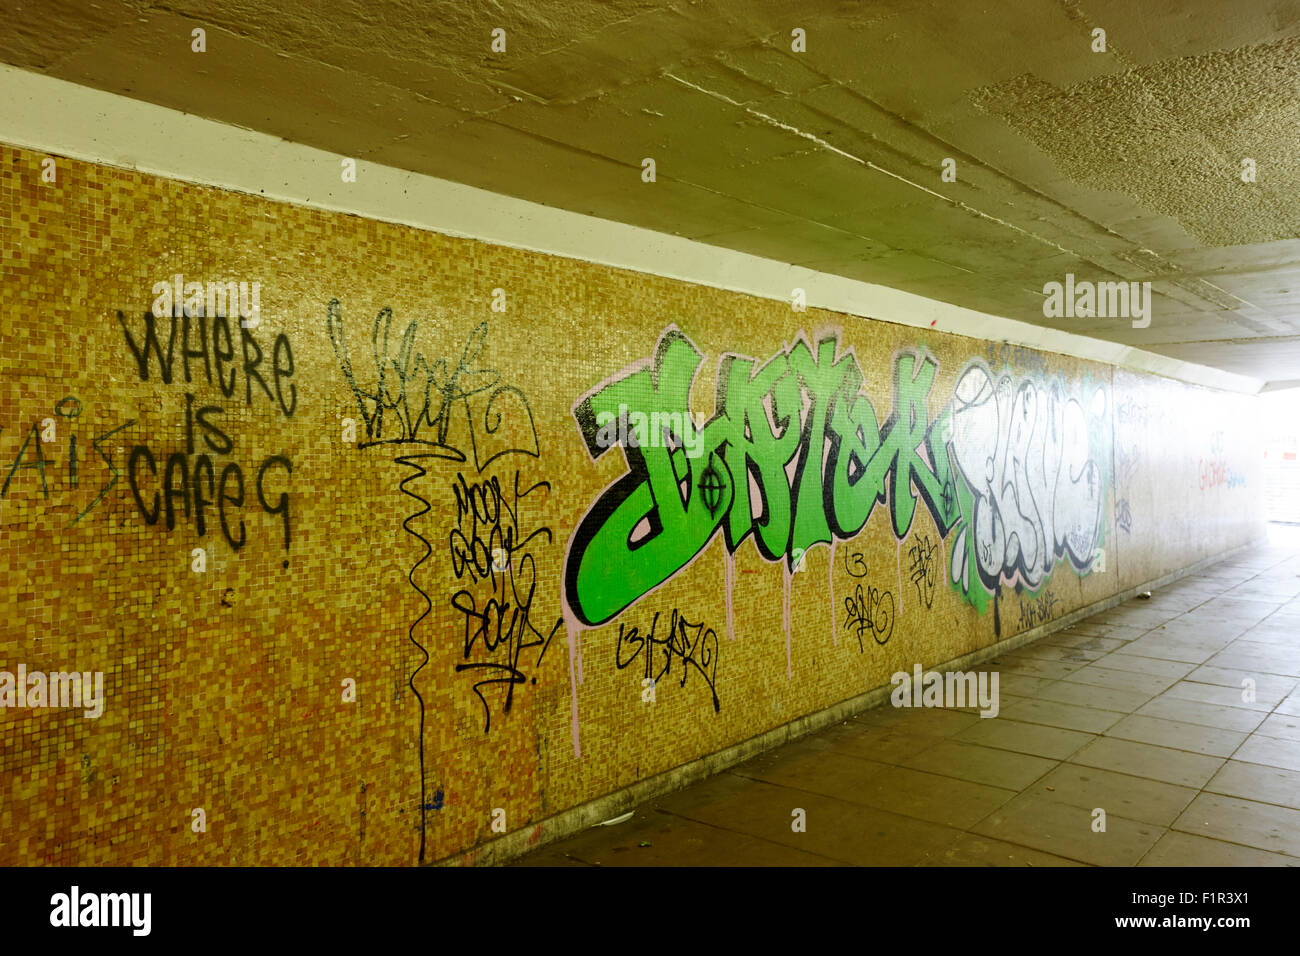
(1117,165)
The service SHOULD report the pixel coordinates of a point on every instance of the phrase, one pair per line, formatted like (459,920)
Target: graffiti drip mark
(578,651)
(785,622)
(729,584)
(573,632)
(830,573)
(898,566)
(575,638)
(413,461)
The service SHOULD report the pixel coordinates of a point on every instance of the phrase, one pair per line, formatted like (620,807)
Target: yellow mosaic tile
(381,570)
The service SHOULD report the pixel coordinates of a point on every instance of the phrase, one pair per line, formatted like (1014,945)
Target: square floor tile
(1146,760)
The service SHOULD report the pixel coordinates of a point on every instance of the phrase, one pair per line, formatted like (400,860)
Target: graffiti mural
(359,547)
(1031,460)
(1013,472)
(759,472)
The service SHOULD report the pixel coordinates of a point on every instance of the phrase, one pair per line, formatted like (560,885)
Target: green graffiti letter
(650,523)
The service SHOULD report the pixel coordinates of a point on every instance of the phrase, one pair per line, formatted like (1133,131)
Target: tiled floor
(1137,711)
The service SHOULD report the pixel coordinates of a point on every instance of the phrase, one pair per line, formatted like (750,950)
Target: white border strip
(54,116)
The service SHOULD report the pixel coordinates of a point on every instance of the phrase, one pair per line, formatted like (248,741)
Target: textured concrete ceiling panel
(1239,356)
(1173,136)
(1147,33)
(1123,164)
(37,35)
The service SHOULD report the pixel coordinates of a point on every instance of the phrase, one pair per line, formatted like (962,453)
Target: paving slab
(1269,687)
(1252,781)
(1263,826)
(1270,751)
(1124,660)
(979,764)
(1091,695)
(1064,830)
(1034,739)
(1135,798)
(1217,694)
(973,850)
(1198,712)
(1186,849)
(1280,725)
(1178,735)
(1053,713)
(1178,767)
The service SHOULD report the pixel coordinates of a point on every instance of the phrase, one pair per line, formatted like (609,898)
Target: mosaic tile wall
(423,540)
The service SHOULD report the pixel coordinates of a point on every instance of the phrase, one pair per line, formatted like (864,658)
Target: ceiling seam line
(773,121)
